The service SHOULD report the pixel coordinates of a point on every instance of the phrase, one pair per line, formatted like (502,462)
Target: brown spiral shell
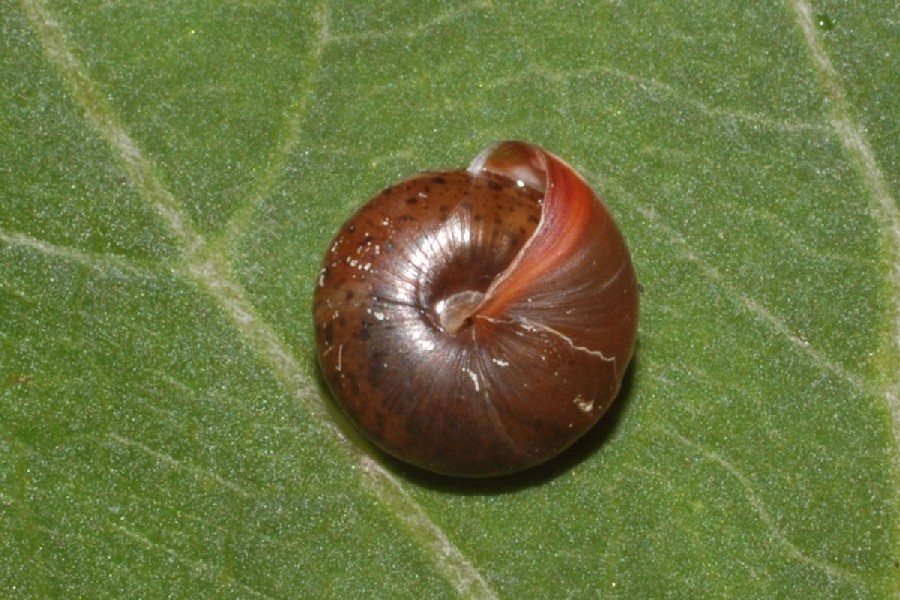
(477,322)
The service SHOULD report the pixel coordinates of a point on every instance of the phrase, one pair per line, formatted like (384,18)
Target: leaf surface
(170,177)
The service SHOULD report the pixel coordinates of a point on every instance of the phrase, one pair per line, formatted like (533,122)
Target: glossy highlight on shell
(478,322)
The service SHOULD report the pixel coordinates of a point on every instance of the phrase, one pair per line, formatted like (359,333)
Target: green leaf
(171,176)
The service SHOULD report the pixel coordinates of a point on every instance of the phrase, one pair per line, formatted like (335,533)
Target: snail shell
(477,322)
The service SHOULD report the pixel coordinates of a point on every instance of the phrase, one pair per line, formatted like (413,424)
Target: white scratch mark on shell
(474,378)
(583,405)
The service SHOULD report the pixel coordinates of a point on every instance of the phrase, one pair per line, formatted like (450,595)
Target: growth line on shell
(533,326)
(473,249)
(214,274)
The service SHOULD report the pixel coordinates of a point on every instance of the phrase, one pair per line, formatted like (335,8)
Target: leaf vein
(852,135)
(198,472)
(199,566)
(656,90)
(759,507)
(412,32)
(754,307)
(213,273)
(291,136)
(108,264)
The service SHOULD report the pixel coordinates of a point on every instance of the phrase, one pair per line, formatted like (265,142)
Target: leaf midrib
(206,264)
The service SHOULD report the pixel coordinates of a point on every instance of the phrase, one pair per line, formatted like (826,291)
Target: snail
(478,322)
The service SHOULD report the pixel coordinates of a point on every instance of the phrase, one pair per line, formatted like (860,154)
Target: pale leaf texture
(172,173)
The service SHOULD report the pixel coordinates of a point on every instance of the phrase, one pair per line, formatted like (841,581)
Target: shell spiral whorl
(477,322)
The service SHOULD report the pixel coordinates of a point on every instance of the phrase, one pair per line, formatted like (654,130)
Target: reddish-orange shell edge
(551,330)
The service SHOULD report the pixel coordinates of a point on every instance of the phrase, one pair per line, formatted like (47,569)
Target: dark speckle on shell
(457,325)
